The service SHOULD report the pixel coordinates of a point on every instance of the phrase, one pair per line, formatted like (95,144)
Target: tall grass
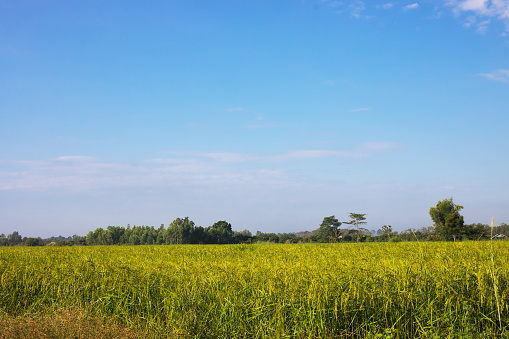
(493,275)
(400,290)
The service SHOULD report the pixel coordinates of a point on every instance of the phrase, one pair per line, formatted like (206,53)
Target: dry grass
(65,323)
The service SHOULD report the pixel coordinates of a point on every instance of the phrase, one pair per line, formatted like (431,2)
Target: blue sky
(268,114)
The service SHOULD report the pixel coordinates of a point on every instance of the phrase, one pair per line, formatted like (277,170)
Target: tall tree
(221,232)
(14,237)
(329,229)
(357,219)
(387,229)
(180,231)
(447,219)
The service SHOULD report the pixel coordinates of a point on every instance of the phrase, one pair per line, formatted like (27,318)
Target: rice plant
(397,290)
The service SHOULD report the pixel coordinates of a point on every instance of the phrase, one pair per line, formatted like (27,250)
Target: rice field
(365,290)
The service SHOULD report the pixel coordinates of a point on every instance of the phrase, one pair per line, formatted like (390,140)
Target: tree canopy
(357,219)
(329,229)
(447,219)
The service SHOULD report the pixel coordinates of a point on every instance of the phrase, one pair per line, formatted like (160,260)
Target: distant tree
(100,236)
(503,228)
(134,239)
(33,242)
(329,229)
(475,231)
(246,233)
(90,238)
(78,240)
(200,235)
(387,229)
(357,219)
(115,234)
(221,232)
(15,237)
(180,231)
(447,219)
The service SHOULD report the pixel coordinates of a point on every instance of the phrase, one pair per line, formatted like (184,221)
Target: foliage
(221,233)
(449,222)
(370,290)
(179,231)
(387,230)
(329,230)
(33,242)
(14,237)
(357,219)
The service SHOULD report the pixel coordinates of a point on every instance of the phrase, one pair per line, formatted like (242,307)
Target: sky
(268,114)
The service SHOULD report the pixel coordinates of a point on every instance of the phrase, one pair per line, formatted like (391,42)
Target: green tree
(180,231)
(90,240)
(14,237)
(115,234)
(100,236)
(221,232)
(447,219)
(33,242)
(329,229)
(387,229)
(357,219)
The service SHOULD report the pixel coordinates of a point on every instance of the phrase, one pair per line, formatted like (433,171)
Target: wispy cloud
(75,158)
(361,109)
(479,12)
(481,8)
(360,151)
(331,3)
(234,109)
(261,125)
(386,5)
(470,21)
(411,6)
(357,8)
(482,27)
(78,173)
(498,75)
(323,79)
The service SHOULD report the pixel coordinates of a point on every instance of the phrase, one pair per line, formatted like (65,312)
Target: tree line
(448,224)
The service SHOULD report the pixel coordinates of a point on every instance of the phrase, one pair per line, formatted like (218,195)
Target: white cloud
(411,6)
(360,151)
(482,8)
(179,169)
(471,20)
(478,11)
(380,145)
(386,6)
(75,158)
(498,75)
(331,3)
(482,27)
(357,8)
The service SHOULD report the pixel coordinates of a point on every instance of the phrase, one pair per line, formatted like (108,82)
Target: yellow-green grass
(403,290)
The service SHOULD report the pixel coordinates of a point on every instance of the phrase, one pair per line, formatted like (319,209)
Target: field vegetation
(340,290)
